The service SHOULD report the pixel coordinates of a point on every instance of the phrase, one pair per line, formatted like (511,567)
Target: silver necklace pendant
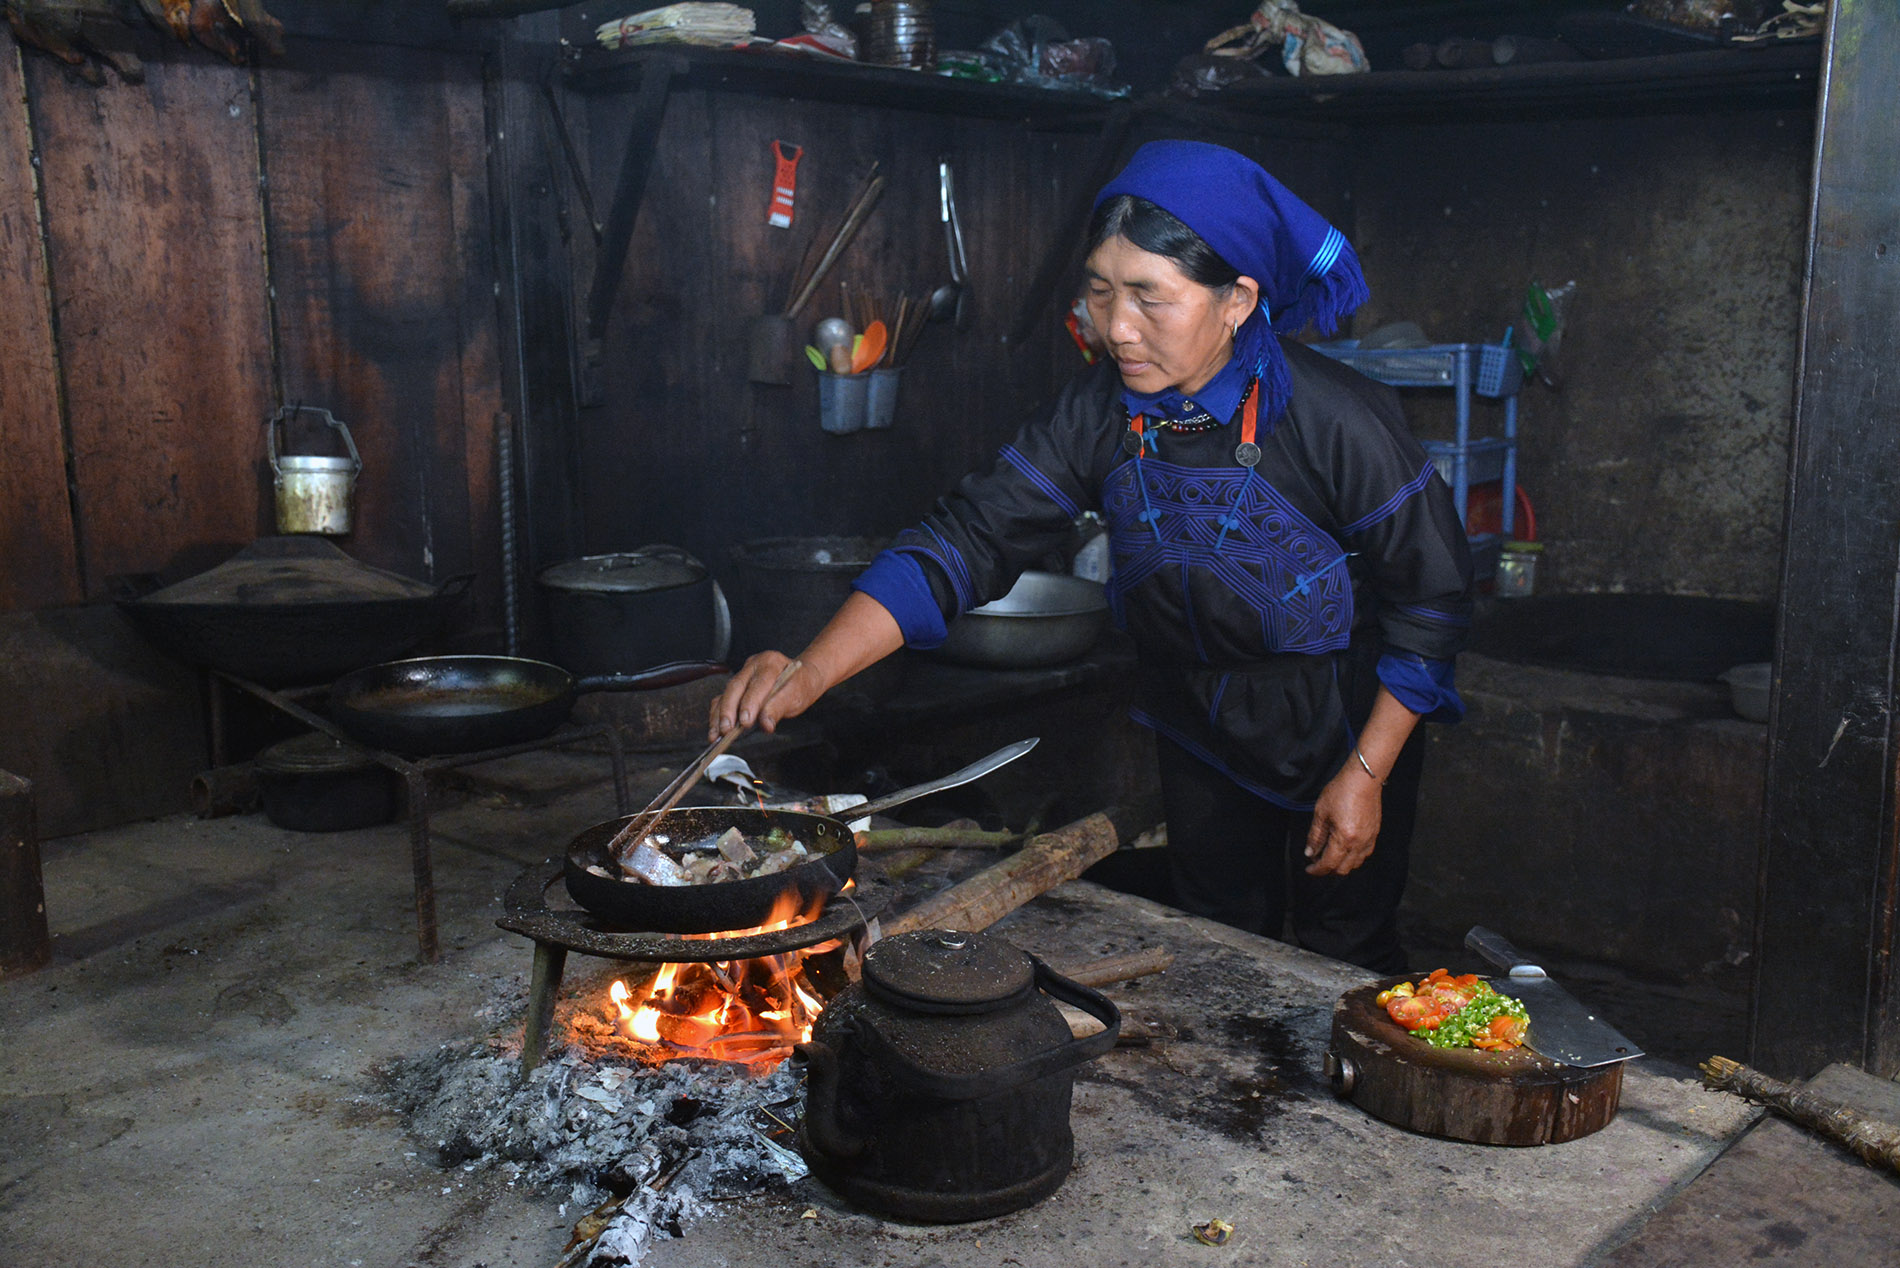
(1247,454)
(1131,443)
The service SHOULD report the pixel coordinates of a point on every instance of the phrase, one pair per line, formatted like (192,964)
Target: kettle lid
(948,971)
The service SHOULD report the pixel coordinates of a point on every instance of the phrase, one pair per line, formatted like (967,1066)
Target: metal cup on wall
(901,33)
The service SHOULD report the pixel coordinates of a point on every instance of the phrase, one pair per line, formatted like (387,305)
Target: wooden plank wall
(350,179)
(36,523)
(682,448)
(177,258)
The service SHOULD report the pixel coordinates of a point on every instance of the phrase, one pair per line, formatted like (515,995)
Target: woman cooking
(1286,558)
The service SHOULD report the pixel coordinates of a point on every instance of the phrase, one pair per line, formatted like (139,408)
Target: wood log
(24,943)
(1867,1137)
(1119,968)
(1489,1098)
(1041,865)
(225,790)
(878,839)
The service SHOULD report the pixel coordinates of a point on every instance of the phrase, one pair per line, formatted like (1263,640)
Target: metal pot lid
(288,570)
(634,572)
(946,971)
(312,754)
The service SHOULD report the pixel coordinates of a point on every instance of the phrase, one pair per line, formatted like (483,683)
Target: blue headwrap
(1306,269)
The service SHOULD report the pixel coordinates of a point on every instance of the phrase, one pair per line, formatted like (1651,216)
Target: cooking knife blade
(1561,1027)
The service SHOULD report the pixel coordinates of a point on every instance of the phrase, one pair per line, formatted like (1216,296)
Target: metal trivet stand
(558,930)
(415,773)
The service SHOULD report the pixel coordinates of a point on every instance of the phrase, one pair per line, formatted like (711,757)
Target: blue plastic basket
(1500,373)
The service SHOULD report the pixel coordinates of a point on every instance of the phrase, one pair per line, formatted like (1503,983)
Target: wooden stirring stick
(641,824)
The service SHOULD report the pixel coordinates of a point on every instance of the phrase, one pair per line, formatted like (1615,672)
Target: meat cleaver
(1561,1028)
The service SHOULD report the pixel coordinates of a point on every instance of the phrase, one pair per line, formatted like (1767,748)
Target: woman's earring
(1233,330)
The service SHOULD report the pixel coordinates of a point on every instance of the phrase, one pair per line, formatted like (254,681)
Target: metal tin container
(901,33)
(314,494)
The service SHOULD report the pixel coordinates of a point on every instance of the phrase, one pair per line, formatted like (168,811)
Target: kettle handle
(821,1126)
(970,1087)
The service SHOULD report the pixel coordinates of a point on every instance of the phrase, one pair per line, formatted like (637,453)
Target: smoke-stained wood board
(36,524)
(367,268)
(156,255)
(482,397)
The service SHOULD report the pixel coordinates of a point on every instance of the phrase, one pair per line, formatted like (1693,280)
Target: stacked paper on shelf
(719,25)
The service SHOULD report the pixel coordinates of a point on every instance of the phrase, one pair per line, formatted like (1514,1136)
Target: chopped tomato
(1415,1012)
(1508,1030)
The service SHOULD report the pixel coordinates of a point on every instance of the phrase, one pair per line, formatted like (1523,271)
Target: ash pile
(646,1147)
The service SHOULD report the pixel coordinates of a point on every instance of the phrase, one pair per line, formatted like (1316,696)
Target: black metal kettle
(938,1086)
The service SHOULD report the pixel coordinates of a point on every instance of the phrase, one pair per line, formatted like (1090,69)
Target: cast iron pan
(463,704)
(718,906)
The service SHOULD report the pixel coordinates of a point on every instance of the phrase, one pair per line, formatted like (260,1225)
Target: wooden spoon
(870,348)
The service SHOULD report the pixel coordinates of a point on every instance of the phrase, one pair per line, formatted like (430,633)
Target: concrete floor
(194,1080)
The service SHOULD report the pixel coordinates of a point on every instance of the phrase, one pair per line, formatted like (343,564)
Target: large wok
(721,906)
(289,610)
(463,704)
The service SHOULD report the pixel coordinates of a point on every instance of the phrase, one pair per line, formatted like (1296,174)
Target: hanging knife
(1561,1028)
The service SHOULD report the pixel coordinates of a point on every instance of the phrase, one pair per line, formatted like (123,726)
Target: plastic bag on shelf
(1038,50)
(1307,45)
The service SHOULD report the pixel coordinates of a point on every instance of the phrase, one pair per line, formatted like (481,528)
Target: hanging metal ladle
(951,300)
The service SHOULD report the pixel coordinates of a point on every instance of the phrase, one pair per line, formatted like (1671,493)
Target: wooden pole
(1043,864)
(1119,968)
(24,943)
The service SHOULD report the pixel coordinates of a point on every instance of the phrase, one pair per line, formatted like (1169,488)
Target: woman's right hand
(744,698)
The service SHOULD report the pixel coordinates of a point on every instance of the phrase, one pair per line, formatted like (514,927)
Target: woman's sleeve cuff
(1426,687)
(897,582)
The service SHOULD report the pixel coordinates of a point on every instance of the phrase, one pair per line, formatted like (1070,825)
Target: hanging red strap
(784,183)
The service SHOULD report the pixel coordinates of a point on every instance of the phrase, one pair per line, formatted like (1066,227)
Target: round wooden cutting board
(1490,1098)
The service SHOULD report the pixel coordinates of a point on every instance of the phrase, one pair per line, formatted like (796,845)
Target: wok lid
(292,569)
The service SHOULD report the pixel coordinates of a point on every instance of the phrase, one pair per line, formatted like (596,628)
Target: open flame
(748,1011)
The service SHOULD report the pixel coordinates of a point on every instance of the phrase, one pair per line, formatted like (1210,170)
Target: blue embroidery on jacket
(1270,556)
(1392,504)
(1014,458)
(1424,613)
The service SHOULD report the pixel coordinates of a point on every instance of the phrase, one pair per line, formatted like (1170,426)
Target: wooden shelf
(778,74)
(1775,75)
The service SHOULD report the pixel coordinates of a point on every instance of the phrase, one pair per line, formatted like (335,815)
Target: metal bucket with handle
(315,494)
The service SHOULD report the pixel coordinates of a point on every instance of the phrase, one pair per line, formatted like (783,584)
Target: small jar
(1517,569)
(901,33)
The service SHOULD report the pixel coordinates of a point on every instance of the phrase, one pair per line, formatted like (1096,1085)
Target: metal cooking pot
(1047,618)
(311,783)
(463,704)
(939,1084)
(717,907)
(639,607)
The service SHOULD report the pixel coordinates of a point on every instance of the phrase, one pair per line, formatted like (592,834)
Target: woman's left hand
(1345,823)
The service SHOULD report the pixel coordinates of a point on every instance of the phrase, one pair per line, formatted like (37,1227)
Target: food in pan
(1457,1012)
(726,856)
